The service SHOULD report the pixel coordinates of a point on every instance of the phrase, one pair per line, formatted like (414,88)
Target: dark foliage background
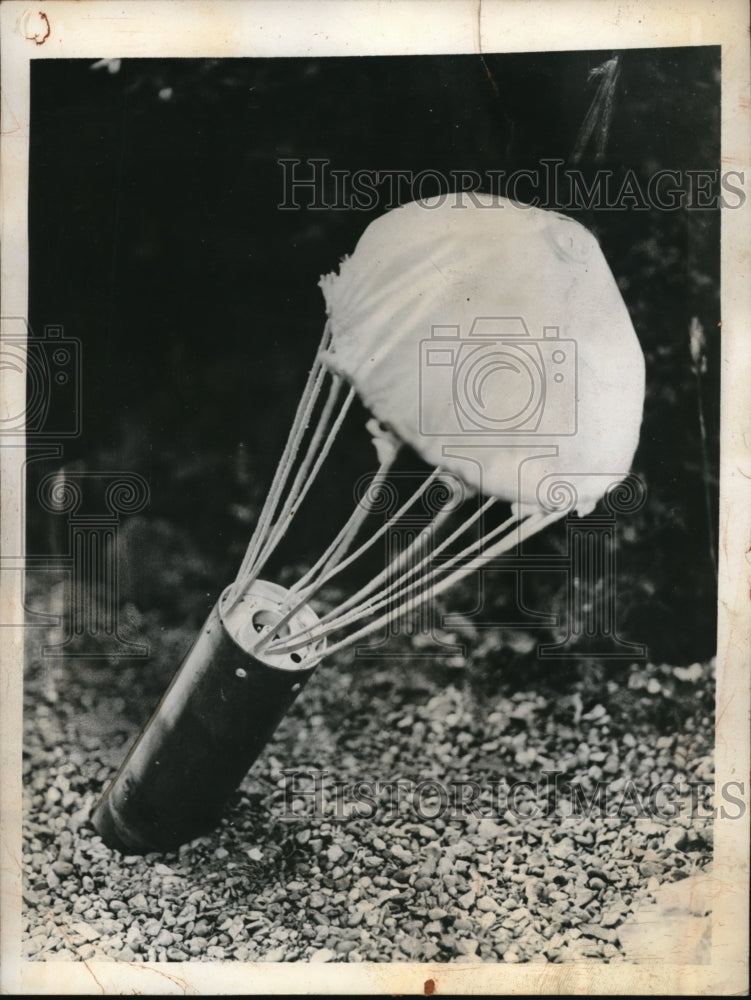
(156,239)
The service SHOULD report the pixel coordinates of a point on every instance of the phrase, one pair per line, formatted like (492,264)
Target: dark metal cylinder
(215,718)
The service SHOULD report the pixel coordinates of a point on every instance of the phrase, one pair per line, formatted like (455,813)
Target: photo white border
(96,29)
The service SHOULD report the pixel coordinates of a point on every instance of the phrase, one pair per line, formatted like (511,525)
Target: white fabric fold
(493,339)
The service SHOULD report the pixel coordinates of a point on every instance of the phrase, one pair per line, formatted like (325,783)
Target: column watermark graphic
(42,410)
(407,547)
(91,561)
(587,568)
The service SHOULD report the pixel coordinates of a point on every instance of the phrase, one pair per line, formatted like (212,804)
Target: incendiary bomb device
(492,339)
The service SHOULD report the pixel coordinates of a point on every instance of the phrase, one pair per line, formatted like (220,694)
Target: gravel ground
(536,882)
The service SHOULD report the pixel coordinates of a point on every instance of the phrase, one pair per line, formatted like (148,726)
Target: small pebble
(487,905)
(323,955)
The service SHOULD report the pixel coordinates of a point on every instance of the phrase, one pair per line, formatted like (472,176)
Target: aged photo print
(374,498)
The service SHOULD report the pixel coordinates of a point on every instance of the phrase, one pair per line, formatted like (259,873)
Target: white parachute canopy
(492,338)
(478,327)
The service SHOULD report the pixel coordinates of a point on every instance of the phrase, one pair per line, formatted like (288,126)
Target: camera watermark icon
(41,382)
(501,379)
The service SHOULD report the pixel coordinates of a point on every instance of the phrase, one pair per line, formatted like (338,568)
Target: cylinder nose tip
(105,824)
(219,712)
